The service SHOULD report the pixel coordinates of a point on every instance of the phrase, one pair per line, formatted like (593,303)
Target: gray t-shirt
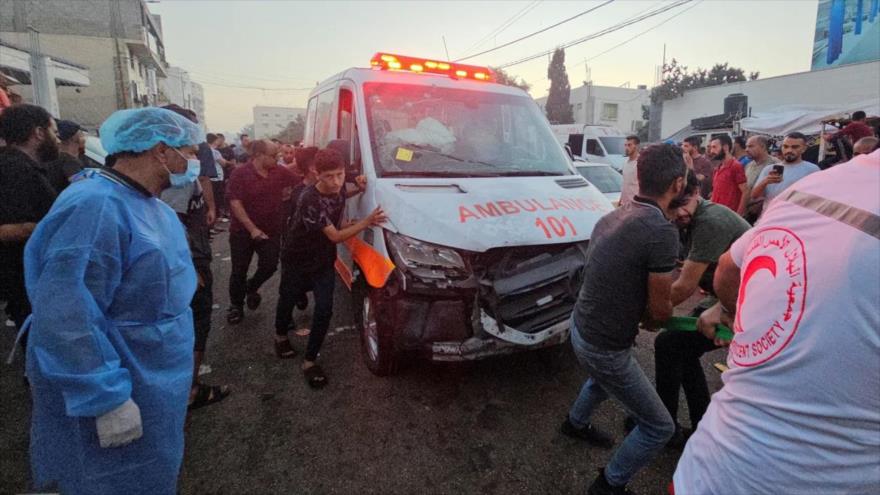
(791,174)
(627,244)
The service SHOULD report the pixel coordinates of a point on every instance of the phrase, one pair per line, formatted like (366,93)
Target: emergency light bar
(387,61)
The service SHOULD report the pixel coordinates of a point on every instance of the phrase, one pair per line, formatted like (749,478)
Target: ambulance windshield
(441,132)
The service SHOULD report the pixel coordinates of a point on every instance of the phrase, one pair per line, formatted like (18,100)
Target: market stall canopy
(803,118)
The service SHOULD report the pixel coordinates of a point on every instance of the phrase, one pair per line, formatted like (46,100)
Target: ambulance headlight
(425,260)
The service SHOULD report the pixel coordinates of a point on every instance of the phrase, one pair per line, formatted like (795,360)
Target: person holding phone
(773,180)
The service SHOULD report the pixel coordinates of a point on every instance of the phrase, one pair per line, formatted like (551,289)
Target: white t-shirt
(219,168)
(790,175)
(800,408)
(630,182)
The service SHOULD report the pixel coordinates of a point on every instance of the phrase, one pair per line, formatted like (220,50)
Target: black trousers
(293,287)
(677,365)
(242,249)
(202,304)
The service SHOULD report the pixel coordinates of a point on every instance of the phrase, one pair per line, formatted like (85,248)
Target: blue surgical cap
(140,129)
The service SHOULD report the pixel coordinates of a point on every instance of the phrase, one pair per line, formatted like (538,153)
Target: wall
(269,121)
(91,105)
(588,102)
(75,17)
(836,86)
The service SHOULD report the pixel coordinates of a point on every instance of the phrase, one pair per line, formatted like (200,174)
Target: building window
(580,106)
(265,115)
(609,111)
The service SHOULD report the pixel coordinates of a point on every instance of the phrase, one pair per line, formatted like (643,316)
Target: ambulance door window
(593,148)
(309,133)
(324,115)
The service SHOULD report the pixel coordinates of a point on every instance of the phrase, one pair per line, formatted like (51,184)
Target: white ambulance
(488,221)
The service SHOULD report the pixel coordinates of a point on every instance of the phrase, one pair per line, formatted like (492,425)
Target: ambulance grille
(531,288)
(573,183)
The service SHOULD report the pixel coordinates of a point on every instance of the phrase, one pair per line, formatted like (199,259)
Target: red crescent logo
(757,264)
(769,309)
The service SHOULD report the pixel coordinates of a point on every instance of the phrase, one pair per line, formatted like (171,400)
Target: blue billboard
(847,32)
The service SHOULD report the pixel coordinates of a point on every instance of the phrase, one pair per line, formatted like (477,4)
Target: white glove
(120,426)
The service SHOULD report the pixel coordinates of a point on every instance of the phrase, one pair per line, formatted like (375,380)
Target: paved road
(486,427)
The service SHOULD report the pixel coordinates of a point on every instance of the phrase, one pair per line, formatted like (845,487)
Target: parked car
(606,179)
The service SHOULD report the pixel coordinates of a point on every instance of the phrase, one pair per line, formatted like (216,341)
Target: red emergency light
(387,61)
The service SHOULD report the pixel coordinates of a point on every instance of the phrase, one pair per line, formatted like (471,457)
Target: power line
(595,35)
(636,36)
(537,32)
(256,88)
(506,24)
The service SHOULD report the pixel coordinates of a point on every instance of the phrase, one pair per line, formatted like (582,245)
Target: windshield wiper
(431,173)
(529,173)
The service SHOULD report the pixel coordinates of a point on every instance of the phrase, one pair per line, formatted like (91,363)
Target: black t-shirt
(306,242)
(60,170)
(25,197)
(627,245)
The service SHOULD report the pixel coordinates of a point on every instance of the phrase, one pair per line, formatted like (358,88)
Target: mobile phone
(779,169)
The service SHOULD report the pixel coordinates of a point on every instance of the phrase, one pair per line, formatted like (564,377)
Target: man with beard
(25,195)
(758,149)
(73,144)
(711,230)
(729,182)
(702,166)
(771,183)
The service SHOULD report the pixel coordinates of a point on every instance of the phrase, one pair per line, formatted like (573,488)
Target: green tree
(558,107)
(295,131)
(677,79)
(502,77)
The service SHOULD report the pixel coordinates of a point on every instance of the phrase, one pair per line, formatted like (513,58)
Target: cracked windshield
(434,131)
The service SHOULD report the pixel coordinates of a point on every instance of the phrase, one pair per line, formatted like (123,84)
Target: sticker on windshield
(404,155)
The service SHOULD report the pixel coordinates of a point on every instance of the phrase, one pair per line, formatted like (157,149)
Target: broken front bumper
(499,340)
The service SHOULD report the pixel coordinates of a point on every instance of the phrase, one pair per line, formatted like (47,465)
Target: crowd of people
(748,437)
(107,274)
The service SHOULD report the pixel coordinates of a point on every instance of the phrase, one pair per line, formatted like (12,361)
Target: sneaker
(600,486)
(679,438)
(253,300)
(589,434)
(235,314)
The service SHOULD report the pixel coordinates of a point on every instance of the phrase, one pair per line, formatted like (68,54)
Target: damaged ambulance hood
(478,214)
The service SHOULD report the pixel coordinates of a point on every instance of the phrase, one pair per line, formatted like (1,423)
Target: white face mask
(193,167)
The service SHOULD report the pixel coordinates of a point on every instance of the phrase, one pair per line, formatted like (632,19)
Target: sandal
(207,395)
(303,332)
(315,377)
(234,315)
(284,350)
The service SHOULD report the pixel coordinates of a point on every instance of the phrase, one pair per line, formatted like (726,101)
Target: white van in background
(593,143)
(488,221)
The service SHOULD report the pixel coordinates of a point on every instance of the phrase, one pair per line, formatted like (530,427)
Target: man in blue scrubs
(110,278)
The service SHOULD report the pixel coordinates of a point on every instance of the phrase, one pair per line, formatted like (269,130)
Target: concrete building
(840,86)
(38,76)
(178,88)
(607,105)
(118,40)
(269,121)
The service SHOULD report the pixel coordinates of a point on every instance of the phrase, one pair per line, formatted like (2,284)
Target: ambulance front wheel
(374,320)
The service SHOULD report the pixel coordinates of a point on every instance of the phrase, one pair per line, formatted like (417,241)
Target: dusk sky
(257,52)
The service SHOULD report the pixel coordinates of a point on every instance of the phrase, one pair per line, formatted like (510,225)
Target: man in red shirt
(729,182)
(855,130)
(255,192)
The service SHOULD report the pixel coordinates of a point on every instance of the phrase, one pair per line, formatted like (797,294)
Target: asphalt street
(486,427)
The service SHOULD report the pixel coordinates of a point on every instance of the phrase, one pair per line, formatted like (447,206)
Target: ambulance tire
(375,324)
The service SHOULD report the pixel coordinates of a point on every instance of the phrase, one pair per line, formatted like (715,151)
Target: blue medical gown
(109,274)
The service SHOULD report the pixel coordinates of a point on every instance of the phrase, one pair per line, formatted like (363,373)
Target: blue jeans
(617,374)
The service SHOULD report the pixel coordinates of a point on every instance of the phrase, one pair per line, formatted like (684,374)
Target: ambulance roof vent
(572,183)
